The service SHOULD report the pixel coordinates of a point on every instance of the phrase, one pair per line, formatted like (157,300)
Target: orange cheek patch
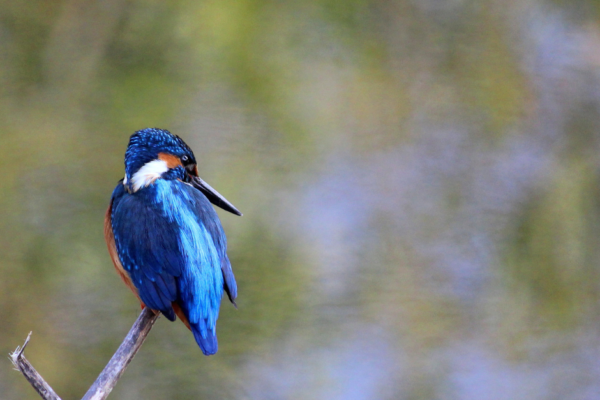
(171,160)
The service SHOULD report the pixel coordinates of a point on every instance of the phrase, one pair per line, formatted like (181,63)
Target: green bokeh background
(419,183)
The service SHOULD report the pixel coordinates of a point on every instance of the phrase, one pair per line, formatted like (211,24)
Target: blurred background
(419,181)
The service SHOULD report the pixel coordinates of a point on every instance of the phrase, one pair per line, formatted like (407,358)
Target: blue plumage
(167,235)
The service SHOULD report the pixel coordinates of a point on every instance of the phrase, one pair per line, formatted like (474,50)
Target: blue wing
(171,243)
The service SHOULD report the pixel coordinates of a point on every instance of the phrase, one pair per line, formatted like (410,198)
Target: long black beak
(213,196)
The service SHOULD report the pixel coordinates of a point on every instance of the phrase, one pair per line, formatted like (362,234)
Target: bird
(165,238)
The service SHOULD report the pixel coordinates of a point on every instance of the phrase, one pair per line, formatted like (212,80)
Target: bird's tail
(207,342)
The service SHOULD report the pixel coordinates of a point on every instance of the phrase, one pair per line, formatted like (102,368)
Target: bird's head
(158,154)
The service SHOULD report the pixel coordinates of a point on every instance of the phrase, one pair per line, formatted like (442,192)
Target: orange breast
(112,250)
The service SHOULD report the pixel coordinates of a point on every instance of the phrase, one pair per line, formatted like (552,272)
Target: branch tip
(16,355)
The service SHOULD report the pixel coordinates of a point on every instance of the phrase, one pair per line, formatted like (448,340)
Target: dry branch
(107,380)
(36,380)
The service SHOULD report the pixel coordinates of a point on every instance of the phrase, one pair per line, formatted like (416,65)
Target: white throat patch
(147,174)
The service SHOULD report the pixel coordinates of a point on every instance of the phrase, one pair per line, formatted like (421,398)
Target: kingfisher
(165,238)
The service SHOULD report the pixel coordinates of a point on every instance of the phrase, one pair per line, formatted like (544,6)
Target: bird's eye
(185,159)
